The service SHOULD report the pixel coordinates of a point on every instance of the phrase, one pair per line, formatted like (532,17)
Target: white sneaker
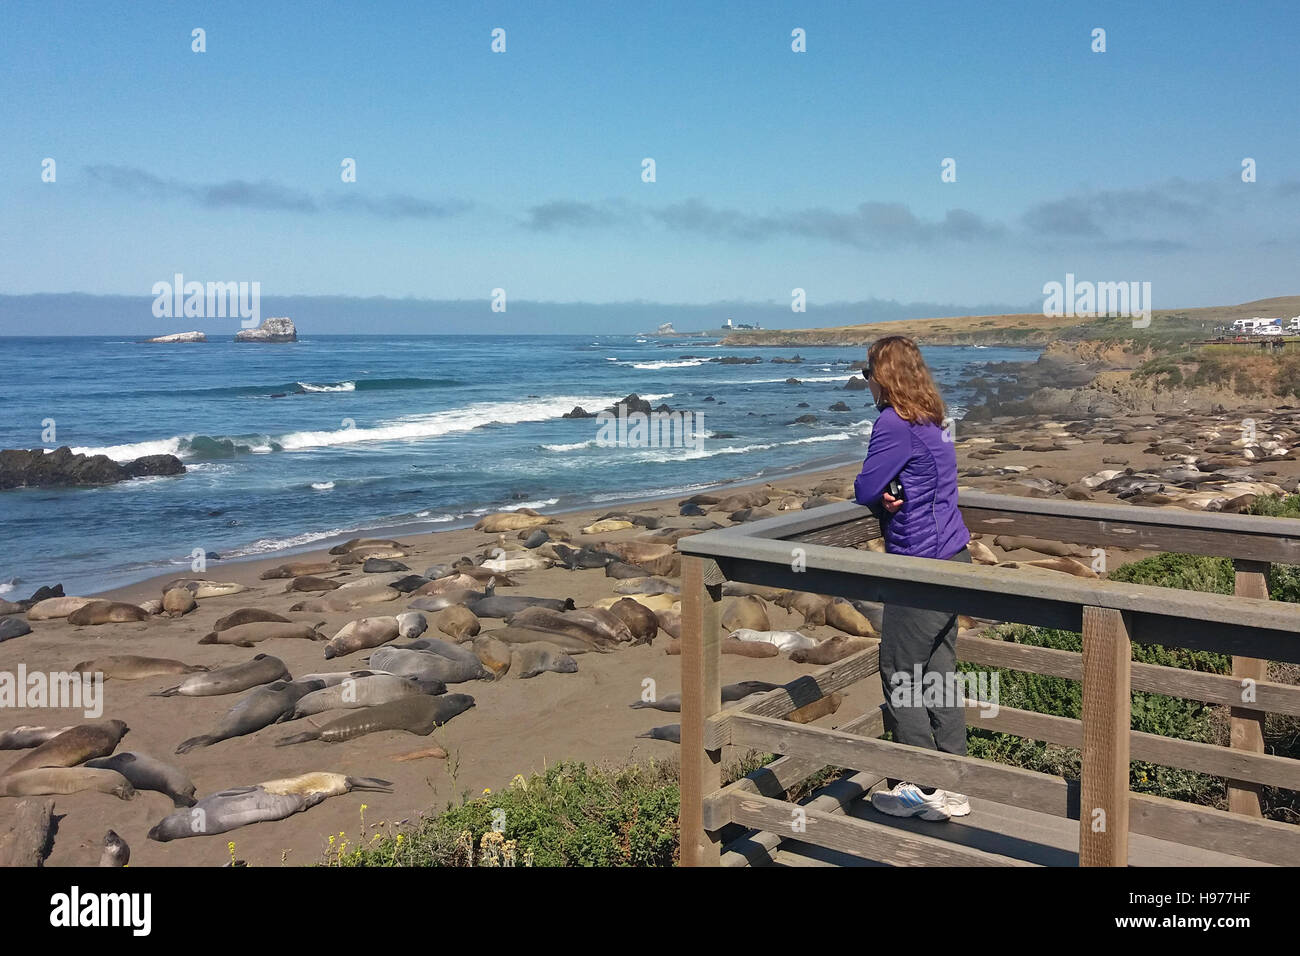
(955,803)
(907,800)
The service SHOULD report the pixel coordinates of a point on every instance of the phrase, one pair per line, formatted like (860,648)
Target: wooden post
(1246,726)
(701,769)
(1103,806)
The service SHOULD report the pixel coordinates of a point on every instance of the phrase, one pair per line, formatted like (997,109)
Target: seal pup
(529,660)
(730,694)
(131,667)
(44,781)
(116,852)
(178,602)
(248,615)
(74,746)
(493,654)
(203,588)
(261,708)
(831,650)
(415,715)
(436,602)
(369,691)
(411,624)
(25,737)
(296,569)
(528,635)
(359,635)
(262,669)
(146,773)
(246,635)
(273,800)
(11,627)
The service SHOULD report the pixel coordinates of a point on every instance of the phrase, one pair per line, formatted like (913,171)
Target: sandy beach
(520,726)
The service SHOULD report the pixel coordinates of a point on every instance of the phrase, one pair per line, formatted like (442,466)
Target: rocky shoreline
(37,468)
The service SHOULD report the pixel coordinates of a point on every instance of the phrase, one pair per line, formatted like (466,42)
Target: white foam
(322,485)
(133,450)
(338,387)
(687,363)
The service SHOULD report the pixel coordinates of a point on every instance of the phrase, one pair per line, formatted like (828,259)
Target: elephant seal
(116,852)
(747,613)
(107,612)
(411,624)
(359,635)
(146,773)
(512,521)
(153,607)
(409,584)
(730,693)
(740,589)
(382,566)
(671,622)
(348,600)
(450,582)
(369,691)
(203,588)
(131,667)
(655,602)
(273,800)
(444,648)
(261,708)
(370,552)
(843,616)
(262,669)
(11,627)
(981,553)
(416,715)
(53,608)
(640,620)
(594,625)
(585,557)
(655,556)
(536,538)
(178,602)
(436,602)
(75,746)
(311,583)
(43,781)
(733,645)
(347,547)
(248,615)
(646,585)
(246,635)
(831,650)
(457,622)
(493,654)
(296,569)
(811,606)
(498,606)
(1066,565)
(426,666)
(514,634)
(607,525)
(527,562)
(529,660)
(671,733)
(26,737)
(1009,542)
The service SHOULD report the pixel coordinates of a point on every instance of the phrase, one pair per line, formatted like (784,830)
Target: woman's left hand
(891,503)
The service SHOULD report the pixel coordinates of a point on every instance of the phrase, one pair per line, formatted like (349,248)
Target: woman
(908,443)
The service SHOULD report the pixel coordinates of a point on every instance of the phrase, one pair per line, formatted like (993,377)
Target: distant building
(727,324)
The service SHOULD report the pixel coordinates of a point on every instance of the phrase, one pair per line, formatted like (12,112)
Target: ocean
(400,433)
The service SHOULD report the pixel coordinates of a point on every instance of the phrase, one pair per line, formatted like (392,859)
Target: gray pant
(910,637)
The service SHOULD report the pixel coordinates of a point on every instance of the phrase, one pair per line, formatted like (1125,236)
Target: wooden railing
(821,551)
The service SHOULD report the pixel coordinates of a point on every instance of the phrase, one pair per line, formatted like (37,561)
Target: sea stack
(271,330)
(180,337)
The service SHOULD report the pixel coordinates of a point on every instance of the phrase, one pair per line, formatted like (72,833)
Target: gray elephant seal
(370,691)
(416,715)
(426,666)
(670,732)
(443,648)
(246,635)
(529,660)
(311,583)
(131,667)
(146,773)
(499,606)
(107,612)
(296,569)
(248,615)
(596,626)
(75,746)
(513,635)
(116,852)
(261,708)
(436,602)
(411,624)
(44,781)
(273,800)
(359,635)
(11,627)
(262,669)
(25,737)
(730,693)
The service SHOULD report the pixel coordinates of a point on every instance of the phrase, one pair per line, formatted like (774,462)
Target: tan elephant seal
(248,615)
(132,667)
(831,650)
(457,622)
(359,635)
(493,654)
(107,612)
(640,620)
(246,635)
(843,616)
(529,660)
(62,780)
(179,601)
(54,608)
(72,747)
(748,613)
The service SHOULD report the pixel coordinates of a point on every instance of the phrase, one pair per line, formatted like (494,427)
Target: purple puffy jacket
(929,524)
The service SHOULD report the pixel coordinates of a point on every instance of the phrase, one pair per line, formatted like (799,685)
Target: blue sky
(775,169)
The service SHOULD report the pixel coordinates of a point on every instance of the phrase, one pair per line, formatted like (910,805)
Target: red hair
(904,380)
